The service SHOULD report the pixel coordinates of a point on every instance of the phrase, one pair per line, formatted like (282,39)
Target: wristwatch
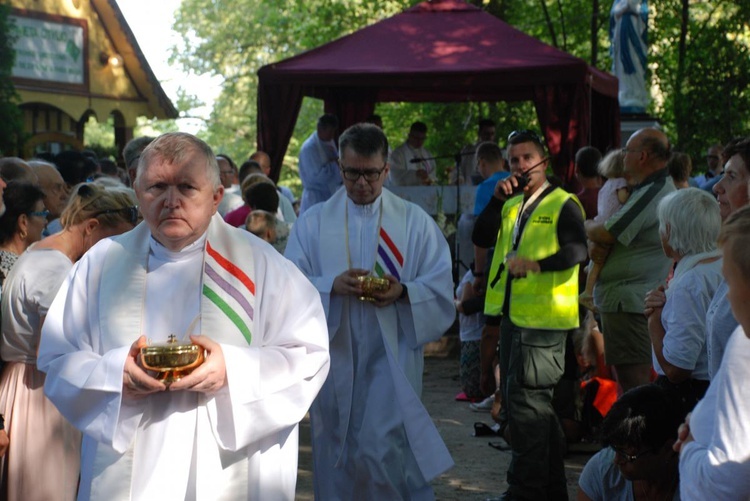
(404,292)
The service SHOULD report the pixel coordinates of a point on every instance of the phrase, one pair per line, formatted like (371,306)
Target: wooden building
(75,59)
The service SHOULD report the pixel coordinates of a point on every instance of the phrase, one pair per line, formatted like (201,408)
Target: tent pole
(590,81)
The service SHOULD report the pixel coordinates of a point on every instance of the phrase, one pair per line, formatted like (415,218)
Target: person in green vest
(533,285)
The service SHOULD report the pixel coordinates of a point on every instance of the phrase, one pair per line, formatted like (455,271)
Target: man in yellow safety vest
(533,285)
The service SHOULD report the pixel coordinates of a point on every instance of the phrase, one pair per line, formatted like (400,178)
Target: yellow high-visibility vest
(546,300)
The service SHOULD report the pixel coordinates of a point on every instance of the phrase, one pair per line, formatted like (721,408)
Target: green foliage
(702,93)
(152,127)
(100,136)
(566,25)
(11,124)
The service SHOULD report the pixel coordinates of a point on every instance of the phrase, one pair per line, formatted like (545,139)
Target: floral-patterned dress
(7,260)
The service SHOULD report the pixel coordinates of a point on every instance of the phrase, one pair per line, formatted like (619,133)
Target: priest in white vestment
(318,167)
(372,437)
(411,164)
(232,198)
(229,429)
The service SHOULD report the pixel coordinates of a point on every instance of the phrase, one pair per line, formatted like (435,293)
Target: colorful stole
(229,289)
(389,260)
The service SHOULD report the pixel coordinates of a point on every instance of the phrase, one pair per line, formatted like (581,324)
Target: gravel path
(480,470)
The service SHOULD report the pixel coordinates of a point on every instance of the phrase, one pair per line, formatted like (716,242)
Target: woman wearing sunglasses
(42,443)
(22,223)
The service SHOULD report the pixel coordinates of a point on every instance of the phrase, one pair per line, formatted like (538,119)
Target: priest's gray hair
(365,140)
(178,148)
(692,216)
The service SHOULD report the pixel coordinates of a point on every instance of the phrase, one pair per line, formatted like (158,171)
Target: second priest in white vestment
(372,437)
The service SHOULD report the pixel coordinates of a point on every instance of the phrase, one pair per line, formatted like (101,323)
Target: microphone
(416,160)
(523,178)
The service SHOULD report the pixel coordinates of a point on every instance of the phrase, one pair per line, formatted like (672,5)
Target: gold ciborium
(172,360)
(372,284)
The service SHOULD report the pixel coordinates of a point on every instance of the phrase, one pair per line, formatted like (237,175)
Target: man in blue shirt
(491,165)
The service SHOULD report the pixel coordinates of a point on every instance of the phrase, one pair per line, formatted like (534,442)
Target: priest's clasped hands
(206,378)
(348,283)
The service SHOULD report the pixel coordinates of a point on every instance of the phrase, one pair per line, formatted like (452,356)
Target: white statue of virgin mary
(628,33)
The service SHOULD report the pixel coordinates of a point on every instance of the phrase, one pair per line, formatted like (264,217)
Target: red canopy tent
(442,51)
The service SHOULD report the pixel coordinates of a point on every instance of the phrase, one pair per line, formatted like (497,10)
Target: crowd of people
(633,279)
(658,291)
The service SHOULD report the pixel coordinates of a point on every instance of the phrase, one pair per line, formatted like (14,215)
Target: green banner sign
(49,51)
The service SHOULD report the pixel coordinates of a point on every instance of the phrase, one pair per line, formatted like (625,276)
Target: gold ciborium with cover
(171,360)
(371,284)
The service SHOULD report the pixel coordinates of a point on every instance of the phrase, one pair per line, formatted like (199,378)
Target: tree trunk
(679,93)
(594,33)
(562,27)
(550,26)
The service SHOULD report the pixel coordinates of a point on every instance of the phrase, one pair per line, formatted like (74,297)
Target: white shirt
(716,465)
(720,324)
(27,295)
(684,315)
(232,200)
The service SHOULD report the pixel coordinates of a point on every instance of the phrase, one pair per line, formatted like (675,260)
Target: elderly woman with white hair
(689,223)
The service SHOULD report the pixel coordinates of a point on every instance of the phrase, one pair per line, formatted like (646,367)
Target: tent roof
(442,51)
(447,42)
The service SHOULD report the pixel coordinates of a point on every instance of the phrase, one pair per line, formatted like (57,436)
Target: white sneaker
(483,406)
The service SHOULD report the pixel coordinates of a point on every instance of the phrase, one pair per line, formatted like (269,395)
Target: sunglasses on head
(517,136)
(131,213)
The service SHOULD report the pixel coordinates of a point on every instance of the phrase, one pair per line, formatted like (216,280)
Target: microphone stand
(456,240)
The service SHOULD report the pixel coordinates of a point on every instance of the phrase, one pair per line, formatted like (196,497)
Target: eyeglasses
(354,174)
(40,213)
(630,458)
(227,172)
(524,134)
(131,213)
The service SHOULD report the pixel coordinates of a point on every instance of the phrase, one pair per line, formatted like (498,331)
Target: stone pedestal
(629,123)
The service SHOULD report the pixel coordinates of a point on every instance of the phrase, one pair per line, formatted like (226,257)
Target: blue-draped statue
(628,33)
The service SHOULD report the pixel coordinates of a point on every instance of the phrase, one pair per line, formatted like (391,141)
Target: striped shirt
(637,262)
